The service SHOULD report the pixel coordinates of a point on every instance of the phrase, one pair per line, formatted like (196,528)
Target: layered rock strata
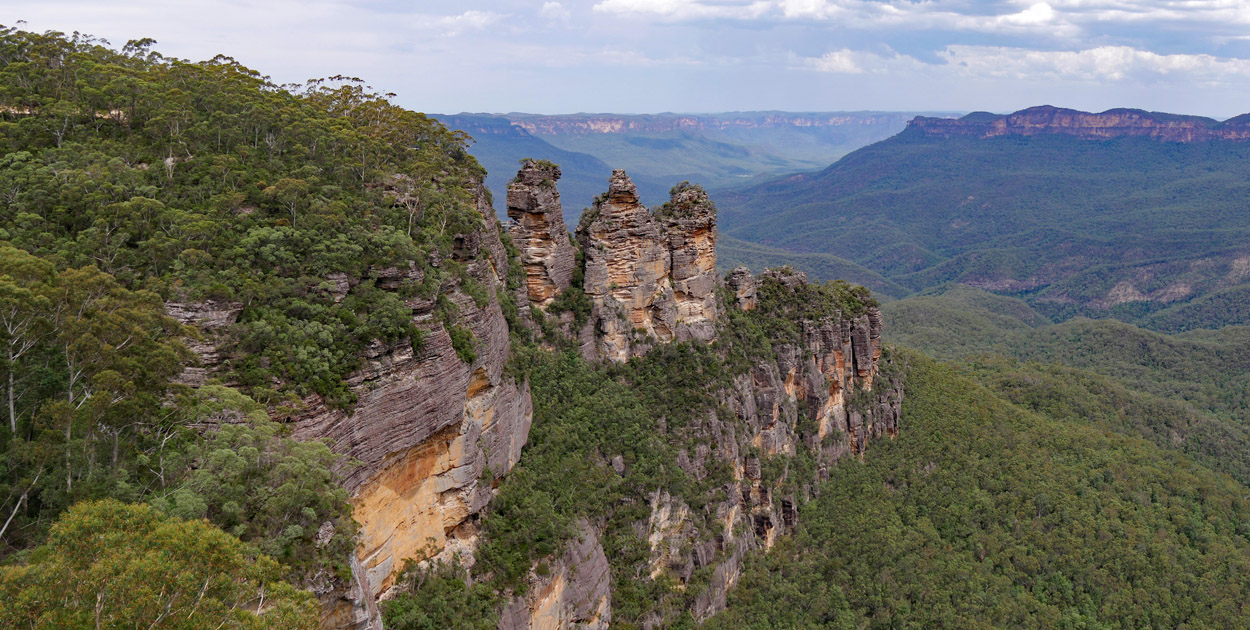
(538,231)
(827,394)
(651,279)
(425,429)
(576,593)
(1113,123)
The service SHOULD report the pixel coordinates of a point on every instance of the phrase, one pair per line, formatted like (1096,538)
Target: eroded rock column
(538,231)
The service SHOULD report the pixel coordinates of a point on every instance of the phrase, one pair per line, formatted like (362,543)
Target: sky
(649,56)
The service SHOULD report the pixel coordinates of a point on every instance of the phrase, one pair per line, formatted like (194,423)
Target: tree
(108,564)
(24,313)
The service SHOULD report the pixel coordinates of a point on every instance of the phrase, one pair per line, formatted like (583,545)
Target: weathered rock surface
(211,318)
(576,593)
(1113,123)
(651,279)
(538,231)
(799,397)
(425,427)
(689,220)
(742,283)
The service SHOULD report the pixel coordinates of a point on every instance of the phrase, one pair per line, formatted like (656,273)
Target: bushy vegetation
(111,565)
(982,514)
(131,180)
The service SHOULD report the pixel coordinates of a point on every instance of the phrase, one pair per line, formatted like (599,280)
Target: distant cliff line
(606,123)
(1113,123)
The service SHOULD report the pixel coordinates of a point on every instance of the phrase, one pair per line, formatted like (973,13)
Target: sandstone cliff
(651,279)
(429,434)
(1113,123)
(425,429)
(822,390)
(538,231)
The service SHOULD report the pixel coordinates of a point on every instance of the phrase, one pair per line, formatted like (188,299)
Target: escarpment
(807,382)
(539,233)
(431,431)
(436,421)
(1113,123)
(650,277)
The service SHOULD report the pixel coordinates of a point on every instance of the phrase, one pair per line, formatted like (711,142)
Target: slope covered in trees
(1125,227)
(985,514)
(131,182)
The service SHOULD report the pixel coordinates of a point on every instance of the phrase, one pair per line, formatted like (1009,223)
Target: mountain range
(1126,213)
(714,150)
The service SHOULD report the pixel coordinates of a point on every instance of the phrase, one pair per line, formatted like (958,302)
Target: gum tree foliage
(129,179)
(107,564)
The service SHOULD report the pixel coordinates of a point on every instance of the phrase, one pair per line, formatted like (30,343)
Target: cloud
(687,9)
(1103,63)
(1053,18)
(473,20)
(847,61)
(555,11)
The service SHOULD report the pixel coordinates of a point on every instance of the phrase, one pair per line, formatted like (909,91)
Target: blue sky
(640,56)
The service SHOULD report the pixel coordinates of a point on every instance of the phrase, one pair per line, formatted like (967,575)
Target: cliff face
(425,429)
(1113,123)
(830,394)
(426,426)
(615,123)
(650,278)
(539,233)
(823,390)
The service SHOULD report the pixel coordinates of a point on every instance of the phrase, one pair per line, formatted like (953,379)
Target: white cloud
(1102,63)
(452,25)
(555,11)
(838,61)
(1105,63)
(687,9)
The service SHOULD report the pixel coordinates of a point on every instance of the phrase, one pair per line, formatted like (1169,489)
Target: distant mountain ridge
(1128,214)
(540,124)
(1113,123)
(718,151)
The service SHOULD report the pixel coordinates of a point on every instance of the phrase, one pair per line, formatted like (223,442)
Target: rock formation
(538,231)
(690,227)
(651,279)
(425,428)
(826,393)
(742,283)
(1113,123)
(576,593)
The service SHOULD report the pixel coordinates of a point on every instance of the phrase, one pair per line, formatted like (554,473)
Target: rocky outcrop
(574,593)
(1113,123)
(211,319)
(828,391)
(651,279)
(742,283)
(689,220)
(538,231)
(431,433)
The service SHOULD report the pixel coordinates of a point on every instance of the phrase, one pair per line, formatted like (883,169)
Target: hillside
(1099,223)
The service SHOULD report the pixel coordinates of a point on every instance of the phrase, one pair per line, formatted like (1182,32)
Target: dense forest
(129,180)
